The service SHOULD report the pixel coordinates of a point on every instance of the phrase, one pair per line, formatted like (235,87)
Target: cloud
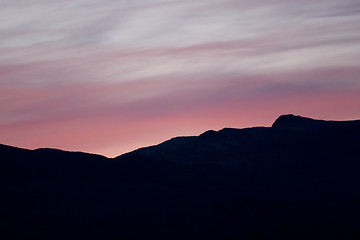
(114,75)
(124,113)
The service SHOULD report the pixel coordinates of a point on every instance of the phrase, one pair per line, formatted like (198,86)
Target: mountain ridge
(285,120)
(295,180)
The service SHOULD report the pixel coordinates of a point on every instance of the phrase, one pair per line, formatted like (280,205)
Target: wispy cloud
(137,72)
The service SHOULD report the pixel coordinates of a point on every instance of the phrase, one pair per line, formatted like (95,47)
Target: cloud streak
(112,76)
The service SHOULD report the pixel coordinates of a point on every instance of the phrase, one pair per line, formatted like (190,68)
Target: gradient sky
(113,75)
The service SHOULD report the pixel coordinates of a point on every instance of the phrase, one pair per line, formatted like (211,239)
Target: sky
(111,76)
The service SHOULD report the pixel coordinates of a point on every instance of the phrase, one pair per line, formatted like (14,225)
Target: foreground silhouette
(298,179)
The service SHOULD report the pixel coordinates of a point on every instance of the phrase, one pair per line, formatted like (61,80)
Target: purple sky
(111,76)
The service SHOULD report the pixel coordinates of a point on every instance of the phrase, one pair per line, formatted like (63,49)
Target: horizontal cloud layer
(113,76)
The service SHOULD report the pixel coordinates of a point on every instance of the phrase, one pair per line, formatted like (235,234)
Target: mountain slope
(297,179)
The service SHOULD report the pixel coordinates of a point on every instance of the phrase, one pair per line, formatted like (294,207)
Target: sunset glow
(110,76)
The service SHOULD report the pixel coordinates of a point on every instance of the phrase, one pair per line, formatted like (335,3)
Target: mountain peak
(291,120)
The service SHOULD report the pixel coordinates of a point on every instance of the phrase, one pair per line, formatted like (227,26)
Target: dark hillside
(298,179)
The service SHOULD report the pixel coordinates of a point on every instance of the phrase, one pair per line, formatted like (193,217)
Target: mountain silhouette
(298,179)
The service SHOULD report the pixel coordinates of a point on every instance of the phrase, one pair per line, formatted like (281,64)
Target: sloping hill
(295,180)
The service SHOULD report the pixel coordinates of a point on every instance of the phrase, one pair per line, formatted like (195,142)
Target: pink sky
(110,76)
